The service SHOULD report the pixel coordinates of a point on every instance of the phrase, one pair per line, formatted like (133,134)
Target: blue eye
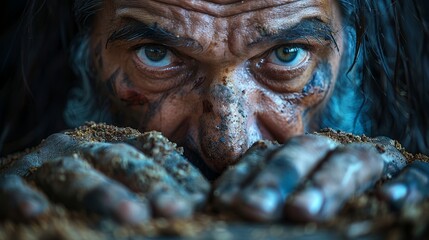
(288,56)
(155,55)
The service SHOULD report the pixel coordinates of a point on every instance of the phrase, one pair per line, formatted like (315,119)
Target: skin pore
(217,76)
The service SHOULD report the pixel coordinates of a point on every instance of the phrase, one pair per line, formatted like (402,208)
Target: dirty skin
(216,77)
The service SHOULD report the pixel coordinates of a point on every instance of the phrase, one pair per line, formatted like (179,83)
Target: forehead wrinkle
(279,20)
(169,23)
(213,8)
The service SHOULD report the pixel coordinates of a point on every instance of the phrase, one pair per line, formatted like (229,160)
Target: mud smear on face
(132,97)
(317,92)
(321,81)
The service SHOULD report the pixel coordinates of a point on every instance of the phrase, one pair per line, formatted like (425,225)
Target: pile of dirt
(346,138)
(101,132)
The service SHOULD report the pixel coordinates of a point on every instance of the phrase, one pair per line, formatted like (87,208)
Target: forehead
(268,12)
(225,8)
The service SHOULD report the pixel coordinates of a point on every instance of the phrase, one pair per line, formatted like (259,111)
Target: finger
(18,201)
(73,182)
(188,176)
(169,156)
(263,199)
(349,170)
(141,174)
(230,183)
(409,188)
(54,146)
(393,160)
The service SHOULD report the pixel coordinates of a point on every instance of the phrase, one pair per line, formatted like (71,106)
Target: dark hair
(394,43)
(33,95)
(388,65)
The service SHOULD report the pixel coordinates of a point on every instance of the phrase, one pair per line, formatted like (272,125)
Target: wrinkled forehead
(227,8)
(270,12)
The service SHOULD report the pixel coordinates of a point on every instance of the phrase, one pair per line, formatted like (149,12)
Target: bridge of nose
(224,123)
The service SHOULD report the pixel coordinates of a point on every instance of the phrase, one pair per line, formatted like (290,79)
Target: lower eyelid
(282,79)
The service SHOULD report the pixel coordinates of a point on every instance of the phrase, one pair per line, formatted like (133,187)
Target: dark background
(31,109)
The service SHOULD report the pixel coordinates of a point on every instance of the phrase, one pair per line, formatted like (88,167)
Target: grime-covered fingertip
(262,205)
(33,208)
(172,205)
(131,212)
(304,206)
(19,201)
(394,193)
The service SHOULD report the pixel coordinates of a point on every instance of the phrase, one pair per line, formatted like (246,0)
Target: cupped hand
(310,177)
(131,180)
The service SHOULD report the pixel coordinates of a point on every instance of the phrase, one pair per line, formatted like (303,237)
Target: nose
(224,130)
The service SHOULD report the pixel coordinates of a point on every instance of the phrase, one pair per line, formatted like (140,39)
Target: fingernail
(115,201)
(305,205)
(394,191)
(262,204)
(131,212)
(171,205)
(32,208)
(226,195)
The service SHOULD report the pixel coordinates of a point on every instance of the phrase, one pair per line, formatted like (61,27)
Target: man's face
(216,76)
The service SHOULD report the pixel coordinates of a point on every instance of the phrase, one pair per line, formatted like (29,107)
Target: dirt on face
(362,216)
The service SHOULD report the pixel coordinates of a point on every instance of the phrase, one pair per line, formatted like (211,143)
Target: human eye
(157,62)
(287,56)
(283,67)
(155,55)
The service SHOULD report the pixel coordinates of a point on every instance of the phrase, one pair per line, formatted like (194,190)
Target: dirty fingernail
(261,205)
(31,208)
(394,191)
(305,205)
(171,205)
(131,212)
(115,201)
(225,196)
(19,201)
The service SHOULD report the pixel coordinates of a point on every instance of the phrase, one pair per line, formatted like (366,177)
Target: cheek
(120,89)
(167,114)
(281,116)
(278,119)
(318,88)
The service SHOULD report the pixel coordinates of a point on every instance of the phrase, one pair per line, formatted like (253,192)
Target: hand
(143,177)
(310,177)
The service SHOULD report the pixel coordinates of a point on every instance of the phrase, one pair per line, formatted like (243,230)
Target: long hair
(383,89)
(32,96)
(391,68)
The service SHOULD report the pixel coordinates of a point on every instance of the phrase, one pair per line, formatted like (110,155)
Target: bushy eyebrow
(133,30)
(312,28)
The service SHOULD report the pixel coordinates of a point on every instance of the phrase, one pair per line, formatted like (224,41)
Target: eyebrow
(134,30)
(305,29)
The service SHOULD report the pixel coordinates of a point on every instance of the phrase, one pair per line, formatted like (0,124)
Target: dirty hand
(129,182)
(310,177)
